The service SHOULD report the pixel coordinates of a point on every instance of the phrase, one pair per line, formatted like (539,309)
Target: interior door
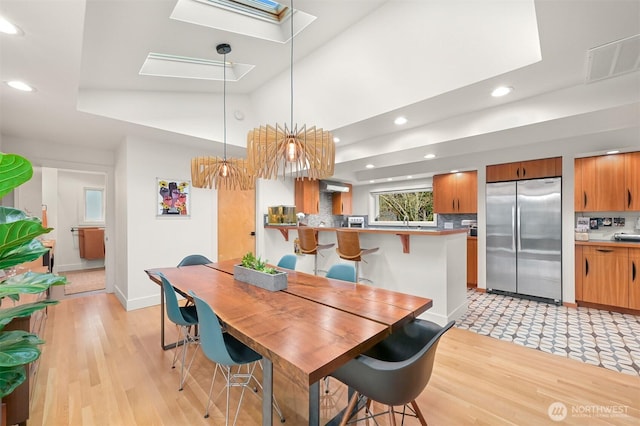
(236,223)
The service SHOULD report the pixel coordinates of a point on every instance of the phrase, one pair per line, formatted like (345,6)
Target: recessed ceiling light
(371,181)
(389,179)
(7,27)
(430,156)
(336,139)
(409,177)
(613,152)
(369,166)
(455,171)
(400,121)
(20,85)
(501,91)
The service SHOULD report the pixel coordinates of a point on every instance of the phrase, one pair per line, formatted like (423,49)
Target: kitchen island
(421,262)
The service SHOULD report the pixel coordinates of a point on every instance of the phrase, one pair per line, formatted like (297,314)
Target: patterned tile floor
(603,338)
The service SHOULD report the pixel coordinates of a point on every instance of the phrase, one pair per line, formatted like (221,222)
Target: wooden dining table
(308,330)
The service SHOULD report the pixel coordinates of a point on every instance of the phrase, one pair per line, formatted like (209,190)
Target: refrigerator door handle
(517,228)
(513,228)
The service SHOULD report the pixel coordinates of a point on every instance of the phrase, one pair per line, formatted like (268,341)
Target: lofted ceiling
(359,65)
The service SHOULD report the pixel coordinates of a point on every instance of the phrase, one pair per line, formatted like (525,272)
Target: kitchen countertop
(402,232)
(380,230)
(609,243)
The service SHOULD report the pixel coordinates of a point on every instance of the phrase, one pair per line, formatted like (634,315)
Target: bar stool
(309,245)
(349,249)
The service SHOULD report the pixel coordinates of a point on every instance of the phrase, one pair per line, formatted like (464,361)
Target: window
(414,206)
(264,9)
(94,205)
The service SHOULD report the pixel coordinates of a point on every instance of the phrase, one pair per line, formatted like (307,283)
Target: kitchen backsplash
(605,224)
(455,219)
(325,217)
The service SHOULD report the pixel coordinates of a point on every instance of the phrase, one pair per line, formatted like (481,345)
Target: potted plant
(18,244)
(255,271)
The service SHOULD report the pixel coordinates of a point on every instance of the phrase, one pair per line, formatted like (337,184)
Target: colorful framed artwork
(173,197)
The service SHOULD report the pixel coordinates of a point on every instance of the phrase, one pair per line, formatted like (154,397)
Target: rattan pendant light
(297,150)
(216,172)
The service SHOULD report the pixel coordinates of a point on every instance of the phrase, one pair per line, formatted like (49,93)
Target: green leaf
(21,232)
(32,250)
(14,171)
(29,283)
(18,347)
(11,378)
(20,311)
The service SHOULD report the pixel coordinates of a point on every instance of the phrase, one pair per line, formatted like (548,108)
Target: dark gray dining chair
(394,372)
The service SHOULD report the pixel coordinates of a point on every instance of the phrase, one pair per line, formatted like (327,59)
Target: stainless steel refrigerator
(524,238)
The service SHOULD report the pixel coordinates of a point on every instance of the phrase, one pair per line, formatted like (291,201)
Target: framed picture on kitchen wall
(173,197)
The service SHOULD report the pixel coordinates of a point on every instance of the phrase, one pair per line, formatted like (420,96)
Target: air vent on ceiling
(613,59)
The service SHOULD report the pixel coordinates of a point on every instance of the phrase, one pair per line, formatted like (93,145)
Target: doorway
(236,223)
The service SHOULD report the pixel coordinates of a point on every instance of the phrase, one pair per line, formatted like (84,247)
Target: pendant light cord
(291,70)
(224,109)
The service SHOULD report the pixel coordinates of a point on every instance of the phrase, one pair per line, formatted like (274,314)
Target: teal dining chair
(227,352)
(342,271)
(194,259)
(184,317)
(288,261)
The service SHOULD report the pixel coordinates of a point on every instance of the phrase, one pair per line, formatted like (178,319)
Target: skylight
(163,65)
(265,19)
(259,8)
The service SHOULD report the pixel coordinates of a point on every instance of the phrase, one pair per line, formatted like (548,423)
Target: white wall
(157,241)
(273,192)
(28,196)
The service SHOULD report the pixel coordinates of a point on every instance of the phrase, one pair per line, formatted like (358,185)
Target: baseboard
(441,319)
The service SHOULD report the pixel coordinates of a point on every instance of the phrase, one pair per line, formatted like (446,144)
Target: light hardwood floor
(104,366)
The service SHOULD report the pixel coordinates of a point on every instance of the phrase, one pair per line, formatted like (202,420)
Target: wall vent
(613,59)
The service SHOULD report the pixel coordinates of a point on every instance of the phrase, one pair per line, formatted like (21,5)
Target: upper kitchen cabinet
(341,201)
(607,183)
(632,180)
(532,169)
(455,193)
(307,196)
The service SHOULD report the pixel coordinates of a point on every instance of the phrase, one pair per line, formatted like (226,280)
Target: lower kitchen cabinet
(579,272)
(472,262)
(605,280)
(634,278)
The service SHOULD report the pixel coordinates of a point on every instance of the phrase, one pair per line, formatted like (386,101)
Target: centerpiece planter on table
(255,271)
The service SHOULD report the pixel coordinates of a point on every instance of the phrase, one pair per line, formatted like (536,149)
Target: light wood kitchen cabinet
(605,278)
(608,183)
(472,262)
(632,181)
(584,184)
(455,193)
(342,201)
(579,272)
(634,278)
(307,196)
(532,169)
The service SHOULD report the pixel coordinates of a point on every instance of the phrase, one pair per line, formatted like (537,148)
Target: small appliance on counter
(282,215)
(622,236)
(355,222)
(472,227)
